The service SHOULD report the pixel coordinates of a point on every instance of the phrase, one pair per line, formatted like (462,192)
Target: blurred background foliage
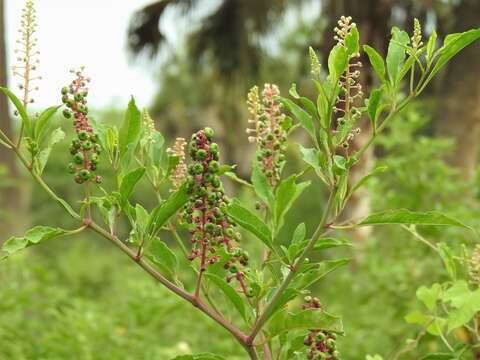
(79,298)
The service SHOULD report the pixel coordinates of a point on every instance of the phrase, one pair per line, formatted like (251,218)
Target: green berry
(209,133)
(201,154)
(83,135)
(78,158)
(197,168)
(71,168)
(78,97)
(87,145)
(64,90)
(94,158)
(213,167)
(214,148)
(209,227)
(67,114)
(84,174)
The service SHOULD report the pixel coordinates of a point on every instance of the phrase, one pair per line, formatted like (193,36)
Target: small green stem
(298,262)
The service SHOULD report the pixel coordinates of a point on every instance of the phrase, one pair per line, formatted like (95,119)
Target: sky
(90,33)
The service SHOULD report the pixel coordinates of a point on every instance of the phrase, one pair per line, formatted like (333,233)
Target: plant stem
(195,301)
(298,262)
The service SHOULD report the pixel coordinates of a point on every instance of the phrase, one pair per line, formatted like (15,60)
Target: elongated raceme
(85,148)
(269,131)
(214,236)
(178,175)
(350,88)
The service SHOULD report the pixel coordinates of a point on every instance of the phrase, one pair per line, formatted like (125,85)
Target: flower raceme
(269,132)
(85,148)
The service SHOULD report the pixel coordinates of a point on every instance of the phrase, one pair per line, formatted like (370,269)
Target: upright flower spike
(85,149)
(350,88)
(321,344)
(178,175)
(269,132)
(417,35)
(474,266)
(205,213)
(27,55)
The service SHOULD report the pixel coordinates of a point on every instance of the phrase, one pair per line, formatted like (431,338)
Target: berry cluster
(322,344)
(350,88)
(205,213)
(270,130)
(85,148)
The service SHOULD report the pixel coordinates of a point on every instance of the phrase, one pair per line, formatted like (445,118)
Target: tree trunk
(458,114)
(8,191)
(372,18)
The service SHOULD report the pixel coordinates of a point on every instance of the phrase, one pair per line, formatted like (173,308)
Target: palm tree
(8,195)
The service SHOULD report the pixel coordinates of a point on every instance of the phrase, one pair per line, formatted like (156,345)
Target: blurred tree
(459,112)
(226,48)
(8,192)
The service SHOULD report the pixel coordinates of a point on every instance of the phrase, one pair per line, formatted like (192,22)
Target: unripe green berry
(94,158)
(201,154)
(71,168)
(64,90)
(209,133)
(84,174)
(214,148)
(197,168)
(87,145)
(78,158)
(330,343)
(78,97)
(209,227)
(83,135)
(67,114)
(213,167)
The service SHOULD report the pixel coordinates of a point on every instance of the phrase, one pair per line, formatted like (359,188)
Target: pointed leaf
(130,130)
(27,123)
(229,292)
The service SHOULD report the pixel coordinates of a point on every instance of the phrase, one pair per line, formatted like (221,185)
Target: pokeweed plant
(262,292)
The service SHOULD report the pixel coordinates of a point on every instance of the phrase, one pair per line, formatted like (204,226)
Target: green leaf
(403,216)
(315,159)
(129,181)
(448,260)
(131,127)
(229,292)
(396,54)
(454,43)
(32,237)
(440,356)
(287,192)
(141,217)
(285,321)
(43,156)
(27,123)
(328,243)
(351,41)
(367,177)
(250,222)
(203,356)
(377,62)
(337,62)
(431,46)
(299,233)
(429,296)
(43,119)
(316,272)
(465,302)
(302,116)
(261,186)
(373,106)
(161,255)
(167,209)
